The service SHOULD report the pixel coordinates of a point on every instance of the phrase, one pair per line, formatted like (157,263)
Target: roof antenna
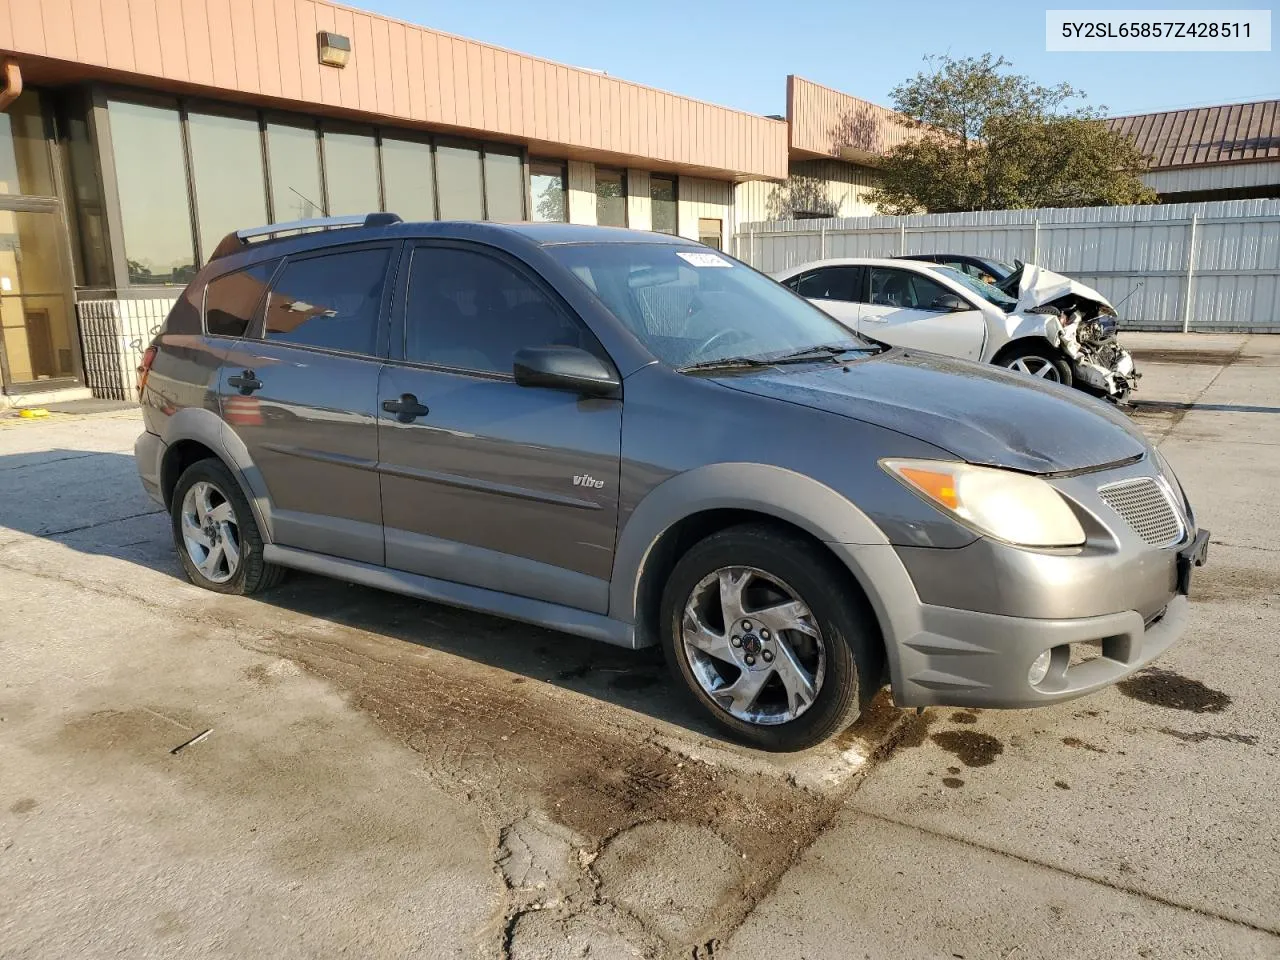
(307,199)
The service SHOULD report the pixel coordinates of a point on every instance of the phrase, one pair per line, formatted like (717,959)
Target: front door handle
(246,382)
(407,408)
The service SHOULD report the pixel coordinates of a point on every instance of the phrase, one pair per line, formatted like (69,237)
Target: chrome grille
(1144,504)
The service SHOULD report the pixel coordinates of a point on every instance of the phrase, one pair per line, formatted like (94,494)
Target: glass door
(38,348)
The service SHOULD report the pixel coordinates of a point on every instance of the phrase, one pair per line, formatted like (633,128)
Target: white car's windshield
(981,288)
(693,306)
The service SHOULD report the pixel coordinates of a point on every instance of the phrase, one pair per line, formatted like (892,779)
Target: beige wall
(582,192)
(265,50)
(639,205)
(832,186)
(711,199)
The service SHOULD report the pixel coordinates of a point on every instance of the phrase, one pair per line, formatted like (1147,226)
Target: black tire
(252,573)
(1030,349)
(850,636)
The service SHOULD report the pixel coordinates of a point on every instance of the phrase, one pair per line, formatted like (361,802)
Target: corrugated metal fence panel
(1139,255)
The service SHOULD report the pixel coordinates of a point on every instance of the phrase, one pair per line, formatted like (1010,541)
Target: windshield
(691,305)
(981,288)
(999,269)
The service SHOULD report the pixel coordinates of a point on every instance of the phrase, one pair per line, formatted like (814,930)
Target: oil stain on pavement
(972,748)
(1165,688)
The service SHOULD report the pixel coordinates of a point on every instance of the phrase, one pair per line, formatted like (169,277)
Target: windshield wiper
(726,363)
(821,351)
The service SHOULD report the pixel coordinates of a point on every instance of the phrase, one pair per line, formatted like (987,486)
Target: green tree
(987,139)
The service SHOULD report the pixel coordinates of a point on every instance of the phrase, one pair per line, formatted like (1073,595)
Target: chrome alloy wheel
(753,645)
(210,532)
(1037,367)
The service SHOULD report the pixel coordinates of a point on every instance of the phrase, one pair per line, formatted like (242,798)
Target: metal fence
(1206,267)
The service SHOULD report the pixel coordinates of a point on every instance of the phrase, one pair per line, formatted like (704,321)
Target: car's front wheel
(1038,360)
(214,530)
(769,637)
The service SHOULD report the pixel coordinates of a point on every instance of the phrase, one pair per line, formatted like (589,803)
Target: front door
(834,289)
(38,344)
(301,393)
(485,482)
(901,312)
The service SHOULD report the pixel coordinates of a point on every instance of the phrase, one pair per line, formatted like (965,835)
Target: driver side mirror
(565,368)
(949,303)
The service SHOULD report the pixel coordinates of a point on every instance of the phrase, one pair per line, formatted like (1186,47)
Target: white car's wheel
(1040,361)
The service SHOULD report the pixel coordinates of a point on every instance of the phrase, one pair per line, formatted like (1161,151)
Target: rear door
(834,289)
(301,393)
(485,482)
(901,312)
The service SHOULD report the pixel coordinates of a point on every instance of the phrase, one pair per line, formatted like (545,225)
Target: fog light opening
(1040,668)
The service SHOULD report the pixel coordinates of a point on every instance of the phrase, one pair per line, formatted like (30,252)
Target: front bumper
(967,659)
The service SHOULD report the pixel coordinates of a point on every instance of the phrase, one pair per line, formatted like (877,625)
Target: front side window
(295,173)
(611,198)
(473,312)
(904,289)
(690,305)
(231,300)
(662,204)
(351,172)
(331,301)
(549,190)
(226,163)
(146,143)
(829,283)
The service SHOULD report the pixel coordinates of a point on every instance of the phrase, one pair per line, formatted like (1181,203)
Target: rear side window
(231,300)
(829,283)
(473,312)
(331,301)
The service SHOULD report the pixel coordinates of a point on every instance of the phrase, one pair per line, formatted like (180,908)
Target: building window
(503,185)
(330,302)
(662,204)
(458,178)
(226,166)
(85,211)
(24,149)
(408,180)
(146,144)
(549,190)
(351,172)
(611,197)
(294,164)
(710,232)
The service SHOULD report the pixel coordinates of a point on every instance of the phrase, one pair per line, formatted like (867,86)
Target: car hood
(1038,286)
(978,413)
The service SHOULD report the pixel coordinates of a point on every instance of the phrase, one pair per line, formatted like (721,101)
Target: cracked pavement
(387,777)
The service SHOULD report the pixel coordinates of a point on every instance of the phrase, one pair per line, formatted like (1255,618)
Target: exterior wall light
(335,49)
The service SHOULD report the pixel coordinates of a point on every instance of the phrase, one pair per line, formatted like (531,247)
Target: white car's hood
(1039,286)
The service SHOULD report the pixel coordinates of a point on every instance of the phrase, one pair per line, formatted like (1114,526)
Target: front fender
(1018,326)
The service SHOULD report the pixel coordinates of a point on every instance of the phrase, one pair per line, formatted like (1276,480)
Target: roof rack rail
(241,238)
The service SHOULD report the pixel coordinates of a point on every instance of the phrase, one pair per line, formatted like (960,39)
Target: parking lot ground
(387,777)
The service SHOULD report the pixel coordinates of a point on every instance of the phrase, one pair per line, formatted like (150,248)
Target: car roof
(851,262)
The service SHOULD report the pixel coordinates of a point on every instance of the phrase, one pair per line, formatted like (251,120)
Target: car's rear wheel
(1040,361)
(769,637)
(214,530)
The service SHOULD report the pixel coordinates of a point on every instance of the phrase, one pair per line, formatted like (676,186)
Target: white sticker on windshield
(703,259)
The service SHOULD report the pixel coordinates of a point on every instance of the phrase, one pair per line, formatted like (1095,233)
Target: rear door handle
(246,382)
(407,408)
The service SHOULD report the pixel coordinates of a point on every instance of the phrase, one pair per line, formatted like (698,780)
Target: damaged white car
(1054,328)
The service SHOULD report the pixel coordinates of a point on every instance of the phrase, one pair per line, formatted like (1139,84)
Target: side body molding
(762,488)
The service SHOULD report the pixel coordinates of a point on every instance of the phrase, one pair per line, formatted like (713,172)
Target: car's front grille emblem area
(1143,503)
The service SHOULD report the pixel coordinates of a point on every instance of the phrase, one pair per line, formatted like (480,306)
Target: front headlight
(1013,507)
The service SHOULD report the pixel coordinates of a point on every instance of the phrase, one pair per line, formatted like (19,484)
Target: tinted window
(152,182)
(295,172)
(351,172)
(226,161)
(611,198)
(662,203)
(829,283)
(901,288)
(548,190)
(24,151)
(503,186)
(407,179)
(458,176)
(474,312)
(230,301)
(329,301)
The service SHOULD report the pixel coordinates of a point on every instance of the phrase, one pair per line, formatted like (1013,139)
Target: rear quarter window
(230,301)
